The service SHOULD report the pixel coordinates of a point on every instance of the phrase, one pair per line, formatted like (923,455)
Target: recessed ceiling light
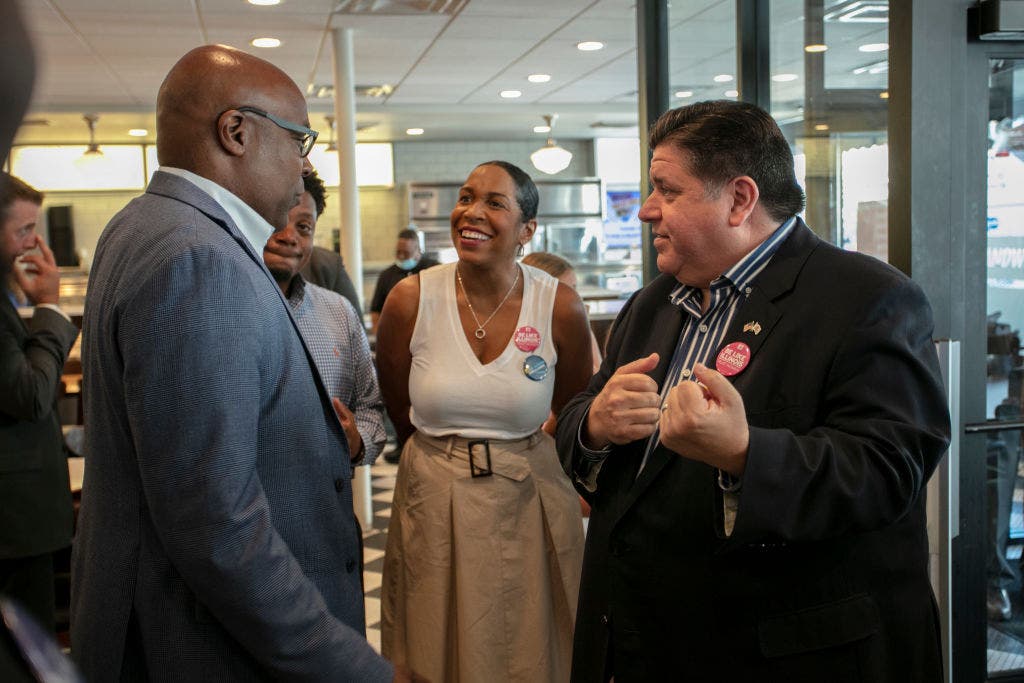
(884,94)
(511,94)
(265,42)
(731,93)
(138,132)
(539,78)
(821,126)
(589,45)
(816,47)
(784,78)
(414,131)
(264,3)
(542,129)
(722,78)
(874,47)
(684,93)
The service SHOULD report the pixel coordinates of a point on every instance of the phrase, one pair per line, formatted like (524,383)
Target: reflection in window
(829,93)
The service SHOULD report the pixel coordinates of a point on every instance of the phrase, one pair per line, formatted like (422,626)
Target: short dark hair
(724,139)
(409,234)
(315,187)
(526,192)
(12,189)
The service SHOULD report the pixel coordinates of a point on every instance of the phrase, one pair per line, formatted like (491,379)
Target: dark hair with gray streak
(724,140)
(526,192)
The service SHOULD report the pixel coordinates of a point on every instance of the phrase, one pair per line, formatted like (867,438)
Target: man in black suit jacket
(35,515)
(326,269)
(765,522)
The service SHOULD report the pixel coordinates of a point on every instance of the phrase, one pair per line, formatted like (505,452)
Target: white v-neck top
(451,392)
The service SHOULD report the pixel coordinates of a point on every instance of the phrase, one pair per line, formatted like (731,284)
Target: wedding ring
(664,407)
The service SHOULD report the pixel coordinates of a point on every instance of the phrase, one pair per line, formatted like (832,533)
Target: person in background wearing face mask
(409,260)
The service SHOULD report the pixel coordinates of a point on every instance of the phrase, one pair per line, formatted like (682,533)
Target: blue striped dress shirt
(703,332)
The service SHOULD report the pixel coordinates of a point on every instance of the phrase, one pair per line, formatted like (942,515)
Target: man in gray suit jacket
(216,539)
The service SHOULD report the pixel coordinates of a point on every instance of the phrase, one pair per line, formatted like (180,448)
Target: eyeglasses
(308,134)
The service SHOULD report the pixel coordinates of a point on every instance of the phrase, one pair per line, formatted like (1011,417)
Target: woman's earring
(519,251)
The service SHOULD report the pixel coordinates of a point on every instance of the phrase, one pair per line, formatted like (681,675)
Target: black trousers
(29,580)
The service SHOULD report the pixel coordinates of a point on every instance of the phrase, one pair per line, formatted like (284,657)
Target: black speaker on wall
(62,235)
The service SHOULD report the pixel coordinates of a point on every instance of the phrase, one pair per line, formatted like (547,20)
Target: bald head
(205,82)
(200,129)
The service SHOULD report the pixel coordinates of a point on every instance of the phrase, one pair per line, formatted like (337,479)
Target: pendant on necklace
(479,334)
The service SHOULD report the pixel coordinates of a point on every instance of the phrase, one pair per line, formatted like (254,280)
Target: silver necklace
(479,333)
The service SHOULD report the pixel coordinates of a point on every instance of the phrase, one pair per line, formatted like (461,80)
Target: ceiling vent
(858,12)
(402,7)
(326,91)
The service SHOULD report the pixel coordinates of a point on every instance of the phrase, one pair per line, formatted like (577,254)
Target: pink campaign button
(732,359)
(527,338)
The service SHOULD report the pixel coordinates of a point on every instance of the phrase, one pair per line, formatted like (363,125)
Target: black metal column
(653,97)
(752,53)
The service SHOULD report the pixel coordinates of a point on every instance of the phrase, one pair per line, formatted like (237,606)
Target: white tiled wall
(383,212)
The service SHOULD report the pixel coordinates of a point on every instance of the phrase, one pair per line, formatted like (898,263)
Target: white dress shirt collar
(253,226)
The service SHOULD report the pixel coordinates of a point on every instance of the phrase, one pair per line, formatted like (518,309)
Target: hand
(706,421)
(43,287)
(348,424)
(627,407)
(404,674)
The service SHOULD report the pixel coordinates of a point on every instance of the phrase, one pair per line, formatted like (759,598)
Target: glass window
(68,167)
(829,92)
(701,50)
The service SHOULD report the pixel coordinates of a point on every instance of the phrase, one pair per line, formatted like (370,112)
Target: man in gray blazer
(216,539)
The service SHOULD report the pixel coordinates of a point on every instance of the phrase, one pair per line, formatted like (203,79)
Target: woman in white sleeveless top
(485,544)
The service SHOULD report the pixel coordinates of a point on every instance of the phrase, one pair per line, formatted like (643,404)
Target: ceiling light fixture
(264,3)
(542,129)
(511,94)
(332,146)
(732,93)
(138,132)
(539,78)
(722,78)
(551,158)
(784,78)
(93,149)
(414,131)
(821,126)
(589,45)
(683,94)
(874,47)
(265,42)
(815,47)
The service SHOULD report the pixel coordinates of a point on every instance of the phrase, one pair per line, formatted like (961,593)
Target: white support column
(348,204)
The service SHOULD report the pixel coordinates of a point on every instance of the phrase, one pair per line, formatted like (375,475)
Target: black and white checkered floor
(382,488)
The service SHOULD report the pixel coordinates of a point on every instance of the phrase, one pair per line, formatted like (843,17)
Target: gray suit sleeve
(194,346)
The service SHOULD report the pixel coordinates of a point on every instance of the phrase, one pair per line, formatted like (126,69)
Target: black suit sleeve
(575,411)
(879,431)
(30,366)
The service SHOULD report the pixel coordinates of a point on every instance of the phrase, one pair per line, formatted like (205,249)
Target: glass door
(1004,369)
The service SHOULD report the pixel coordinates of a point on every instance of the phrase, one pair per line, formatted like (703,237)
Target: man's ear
(744,193)
(233,132)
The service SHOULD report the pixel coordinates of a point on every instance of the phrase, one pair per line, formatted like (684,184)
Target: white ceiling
(447,66)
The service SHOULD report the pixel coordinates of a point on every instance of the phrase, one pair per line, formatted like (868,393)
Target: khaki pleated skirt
(481,575)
